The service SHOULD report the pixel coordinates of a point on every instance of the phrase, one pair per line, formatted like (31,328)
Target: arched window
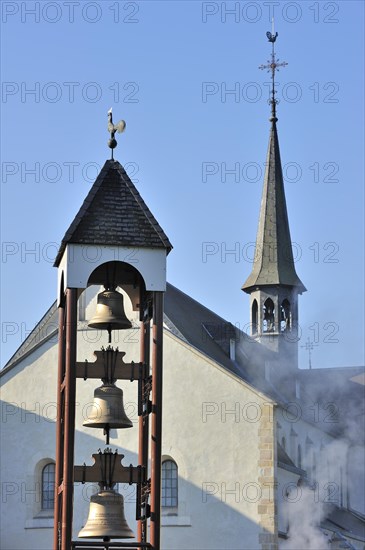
(341,487)
(269,316)
(314,467)
(299,456)
(285,316)
(254,316)
(169,484)
(48,483)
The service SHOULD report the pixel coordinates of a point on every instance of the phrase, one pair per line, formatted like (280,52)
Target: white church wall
(27,441)
(206,429)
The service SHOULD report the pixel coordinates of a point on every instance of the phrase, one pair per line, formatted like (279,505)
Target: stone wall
(267,507)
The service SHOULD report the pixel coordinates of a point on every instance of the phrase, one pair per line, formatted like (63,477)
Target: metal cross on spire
(273,66)
(309,347)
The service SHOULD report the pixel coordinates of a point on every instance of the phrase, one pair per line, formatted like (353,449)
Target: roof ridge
(201,305)
(26,344)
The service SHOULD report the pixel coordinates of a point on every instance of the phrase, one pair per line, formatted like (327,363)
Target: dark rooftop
(114,213)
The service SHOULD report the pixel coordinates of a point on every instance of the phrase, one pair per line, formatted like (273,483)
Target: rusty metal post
(143,421)
(156,425)
(59,439)
(69,417)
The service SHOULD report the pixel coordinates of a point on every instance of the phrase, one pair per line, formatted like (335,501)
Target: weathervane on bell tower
(112,128)
(273,66)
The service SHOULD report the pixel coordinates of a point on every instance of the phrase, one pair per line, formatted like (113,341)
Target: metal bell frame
(109,315)
(148,373)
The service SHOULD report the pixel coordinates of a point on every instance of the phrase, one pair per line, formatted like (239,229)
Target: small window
(169,484)
(314,467)
(341,487)
(299,456)
(269,316)
(285,316)
(283,443)
(254,317)
(48,485)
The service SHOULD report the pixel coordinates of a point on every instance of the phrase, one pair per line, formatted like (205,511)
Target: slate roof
(114,213)
(274,263)
(286,463)
(344,521)
(45,329)
(203,329)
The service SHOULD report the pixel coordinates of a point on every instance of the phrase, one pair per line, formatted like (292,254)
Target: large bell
(108,409)
(109,313)
(106,517)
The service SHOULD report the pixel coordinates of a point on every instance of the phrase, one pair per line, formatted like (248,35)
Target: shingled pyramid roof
(114,213)
(274,263)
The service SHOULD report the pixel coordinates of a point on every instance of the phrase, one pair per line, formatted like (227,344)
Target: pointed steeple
(273,284)
(274,262)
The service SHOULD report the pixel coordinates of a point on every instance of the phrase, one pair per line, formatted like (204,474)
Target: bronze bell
(106,517)
(109,313)
(108,409)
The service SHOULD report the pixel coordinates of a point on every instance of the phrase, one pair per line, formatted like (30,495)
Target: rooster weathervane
(112,128)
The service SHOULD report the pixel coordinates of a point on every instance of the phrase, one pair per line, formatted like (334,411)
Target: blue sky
(168,68)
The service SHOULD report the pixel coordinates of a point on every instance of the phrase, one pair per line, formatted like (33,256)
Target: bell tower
(114,241)
(273,284)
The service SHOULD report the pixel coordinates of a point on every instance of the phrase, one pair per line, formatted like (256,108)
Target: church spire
(273,284)
(274,263)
